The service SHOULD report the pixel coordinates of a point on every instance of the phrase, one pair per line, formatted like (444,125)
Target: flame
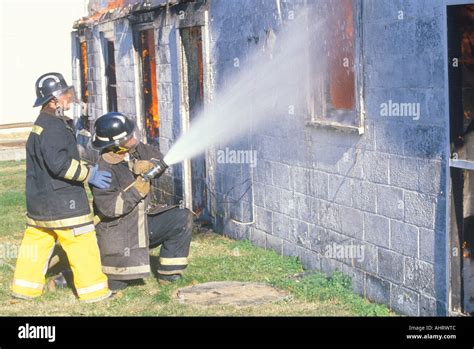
(152,117)
(113,4)
(97,12)
(84,65)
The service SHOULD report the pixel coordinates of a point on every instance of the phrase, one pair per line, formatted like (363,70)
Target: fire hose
(156,171)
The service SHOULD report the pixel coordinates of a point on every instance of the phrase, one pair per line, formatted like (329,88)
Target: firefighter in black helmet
(57,204)
(113,130)
(128,219)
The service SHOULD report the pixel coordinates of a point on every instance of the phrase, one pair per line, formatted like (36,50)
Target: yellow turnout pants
(83,255)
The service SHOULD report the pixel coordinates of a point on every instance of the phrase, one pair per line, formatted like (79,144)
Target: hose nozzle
(156,172)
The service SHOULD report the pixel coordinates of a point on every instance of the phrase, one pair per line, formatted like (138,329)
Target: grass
(213,258)
(12,197)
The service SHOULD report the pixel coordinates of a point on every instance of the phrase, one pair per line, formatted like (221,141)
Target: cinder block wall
(313,187)
(383,190)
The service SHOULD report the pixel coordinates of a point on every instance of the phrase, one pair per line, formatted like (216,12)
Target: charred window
(193,92)
(149,85)
(83,71)
(333,77)
(111,80)
(340,38)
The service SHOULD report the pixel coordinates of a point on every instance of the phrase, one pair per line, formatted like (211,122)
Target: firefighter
(129,223)
(56,200)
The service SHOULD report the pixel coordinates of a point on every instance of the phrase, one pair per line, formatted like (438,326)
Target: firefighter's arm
(114,203)
(56,153)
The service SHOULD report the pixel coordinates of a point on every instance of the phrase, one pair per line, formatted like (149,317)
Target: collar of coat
(52,112)
(113,158)
(49,111)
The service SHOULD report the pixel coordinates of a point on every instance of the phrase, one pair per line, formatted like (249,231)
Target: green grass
(213,258)
(12,197)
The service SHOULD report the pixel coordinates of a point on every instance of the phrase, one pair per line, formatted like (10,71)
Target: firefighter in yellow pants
(83,256)
(56,200)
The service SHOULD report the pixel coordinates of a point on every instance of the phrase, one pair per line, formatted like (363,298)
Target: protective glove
(142,166)
(143,186)
(99,179)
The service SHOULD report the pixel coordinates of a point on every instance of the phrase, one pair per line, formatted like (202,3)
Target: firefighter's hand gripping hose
(142,166)
(99,179)
(143,186)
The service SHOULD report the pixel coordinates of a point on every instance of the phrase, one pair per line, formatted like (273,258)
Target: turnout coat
(55,176)
(121,217)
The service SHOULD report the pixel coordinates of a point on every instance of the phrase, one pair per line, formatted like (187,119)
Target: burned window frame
(318,94)
(82,52)
(107,37)
(138,28)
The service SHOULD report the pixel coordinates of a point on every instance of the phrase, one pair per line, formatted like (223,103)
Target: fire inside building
(380,159)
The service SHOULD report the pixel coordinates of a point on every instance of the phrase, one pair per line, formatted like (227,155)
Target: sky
(35,38)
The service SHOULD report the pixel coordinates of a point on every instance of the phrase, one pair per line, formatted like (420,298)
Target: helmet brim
(102,144)
(42,100)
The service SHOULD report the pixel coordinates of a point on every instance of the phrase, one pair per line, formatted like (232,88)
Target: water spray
(260,91)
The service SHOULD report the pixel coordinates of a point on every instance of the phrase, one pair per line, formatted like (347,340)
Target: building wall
(121,31)
(313,187)
(384,190)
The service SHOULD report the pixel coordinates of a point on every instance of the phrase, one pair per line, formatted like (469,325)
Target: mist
(271,82)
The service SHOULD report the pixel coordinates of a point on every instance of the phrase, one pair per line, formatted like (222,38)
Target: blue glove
(99,179)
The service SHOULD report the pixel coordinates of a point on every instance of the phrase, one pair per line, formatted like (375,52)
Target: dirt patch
(235,293)
(12,144)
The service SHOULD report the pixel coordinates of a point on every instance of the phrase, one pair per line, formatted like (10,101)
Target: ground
(12,144)
(213,258)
